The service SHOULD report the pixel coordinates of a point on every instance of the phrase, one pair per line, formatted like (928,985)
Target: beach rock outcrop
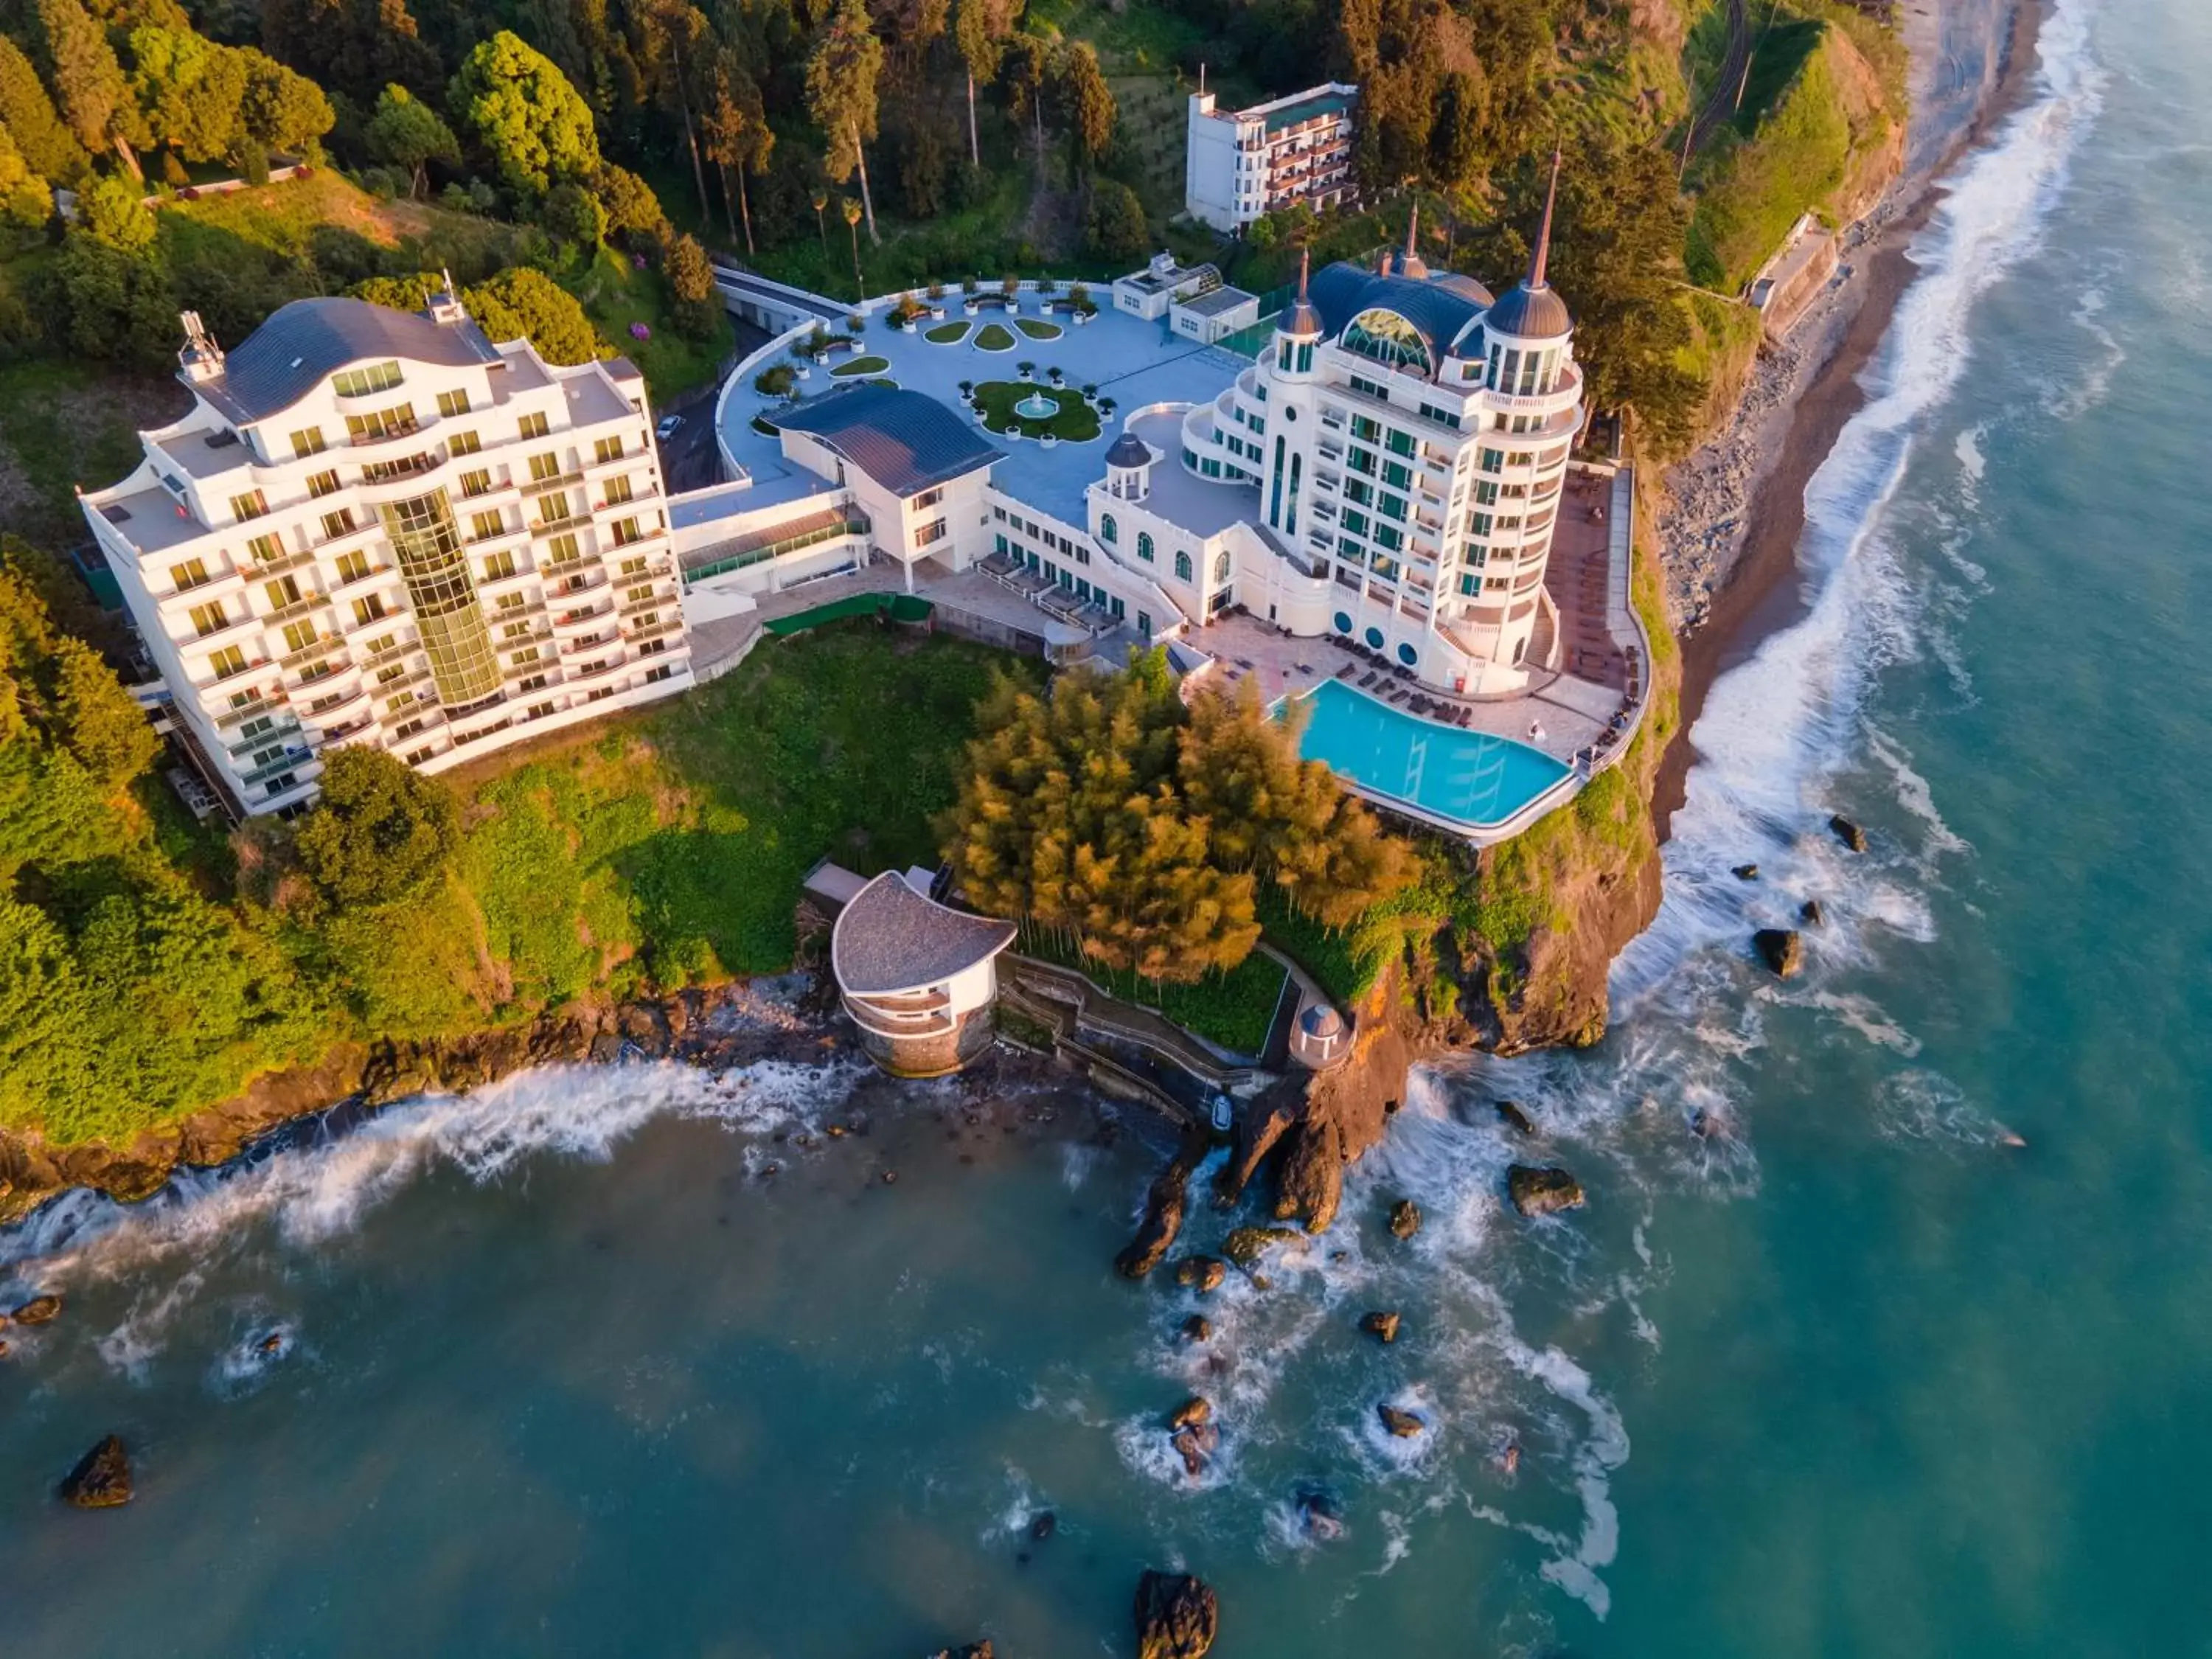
(101,1478)
(1164,1203)
(1510,1114)
(1201,1274)
(1383,1326)
(1404,1219)
(1194,1443)
(1810,913)
(972,1650)
(1043,1525)
(1848,833)
(1196,1409)
(1537,1191)
(1402,1424)
(1178,1616)
(1197,1328)
(1310,1185)
(38,1310)
(1746,873)
(1320,1516)
(1246,1245)
(1781,949)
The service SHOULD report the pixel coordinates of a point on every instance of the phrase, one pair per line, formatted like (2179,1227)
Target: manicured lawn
(1232,1009)
(680,835)
(861,366)
(995,336)
(1076,422)
(948,333)
(1039,331)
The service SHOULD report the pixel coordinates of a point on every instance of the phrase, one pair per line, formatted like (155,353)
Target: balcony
(391,653)
(368,624)
(291,562)
(349,584)
(307,653)
(267,769)
(557,481)
(659,630)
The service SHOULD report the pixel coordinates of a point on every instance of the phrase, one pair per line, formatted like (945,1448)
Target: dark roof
(303,343)
(1129,450)
(1304,109)
(1531,313)
(1465,287)
(890,938)
(1321,1020)
(1438,310)
(905,441)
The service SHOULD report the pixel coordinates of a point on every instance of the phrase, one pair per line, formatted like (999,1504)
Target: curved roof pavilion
(303,343)
(892,941)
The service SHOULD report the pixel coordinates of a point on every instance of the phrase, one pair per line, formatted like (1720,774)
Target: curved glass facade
(436,571)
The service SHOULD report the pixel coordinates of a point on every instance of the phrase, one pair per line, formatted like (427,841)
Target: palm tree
(853,224)
(821,201)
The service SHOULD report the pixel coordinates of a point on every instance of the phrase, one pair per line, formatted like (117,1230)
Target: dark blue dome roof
(1530,314)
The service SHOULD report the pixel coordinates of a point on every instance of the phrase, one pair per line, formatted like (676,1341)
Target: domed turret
(1129,467)
(1529,309)
(1299,330)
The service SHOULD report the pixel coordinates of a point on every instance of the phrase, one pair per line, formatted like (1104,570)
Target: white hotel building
(1239,164)
(375,527)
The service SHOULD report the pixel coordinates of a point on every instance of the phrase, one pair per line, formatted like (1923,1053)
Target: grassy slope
(65,424)
(615,294)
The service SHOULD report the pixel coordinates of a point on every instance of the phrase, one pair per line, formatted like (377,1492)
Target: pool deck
(1135,363)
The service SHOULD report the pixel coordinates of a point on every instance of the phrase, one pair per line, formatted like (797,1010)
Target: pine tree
(48,147)
(88,82)
(842,80)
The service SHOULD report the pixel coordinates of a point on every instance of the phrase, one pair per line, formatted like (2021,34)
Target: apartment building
(1239,164)
(376,526)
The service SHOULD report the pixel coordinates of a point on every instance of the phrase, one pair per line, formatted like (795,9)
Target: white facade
(1239,164)
(376,527)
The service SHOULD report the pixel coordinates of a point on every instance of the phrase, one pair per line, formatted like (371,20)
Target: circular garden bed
(1039,331)
(1075,422)
(995,337)
(947,333)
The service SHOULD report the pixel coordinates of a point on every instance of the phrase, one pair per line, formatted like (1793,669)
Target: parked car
(668,426)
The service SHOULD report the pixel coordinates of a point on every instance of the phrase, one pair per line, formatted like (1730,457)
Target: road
(688,459)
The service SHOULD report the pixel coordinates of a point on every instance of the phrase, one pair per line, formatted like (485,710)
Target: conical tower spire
(1305,269)
(1543,251)
(1410,264)
(1302,318)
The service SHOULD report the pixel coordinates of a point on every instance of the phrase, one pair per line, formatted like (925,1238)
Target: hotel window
(1479,524)
(464,443)
(632,567)
(368,609)
(381,423)
(1355,522)
(534,426)
(190,574)
(210,618)
(639,594)
(308,440)
(380,644)
(337,524)
(626,531)
(251,505)
(607,449)
(926,535)
(267,549)
(528,653)
(561,549)
(555,508)
(544,466)
(1182,566)
(357,382)
(353,565)
(483,526)
(1477,555)
(618,491)
(1387,536)
(1144,545)
(1363,494)
(499,566)
(513,601)
(322,484)
(1363,426)
(225,662)
(1391,507)
(1400,442)
(298,636)
(1107,529)
(282,592)
(452,402)
(477,482)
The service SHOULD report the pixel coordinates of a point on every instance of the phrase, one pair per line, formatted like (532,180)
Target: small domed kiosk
(916,977)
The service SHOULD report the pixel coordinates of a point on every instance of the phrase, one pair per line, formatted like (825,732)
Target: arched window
(1182,566)
(1220,569)
(1107,532)
(1388,339)
(1143,546)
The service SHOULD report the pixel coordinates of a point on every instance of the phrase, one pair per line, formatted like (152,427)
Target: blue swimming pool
(1470,778)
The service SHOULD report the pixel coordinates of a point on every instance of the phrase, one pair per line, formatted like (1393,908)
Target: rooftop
(890,939)
(1219,300)
(279,363)
(906,441)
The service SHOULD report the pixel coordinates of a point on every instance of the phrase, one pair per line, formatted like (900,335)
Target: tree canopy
(383,833)
(523,110)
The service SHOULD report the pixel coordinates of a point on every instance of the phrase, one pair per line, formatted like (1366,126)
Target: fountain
(1037,407)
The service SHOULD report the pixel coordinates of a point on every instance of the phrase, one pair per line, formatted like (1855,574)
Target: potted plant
(1053,375)
(854,323)
(1027,371)
(1045,285)
(967,389)
(1089,393)
(1106,407)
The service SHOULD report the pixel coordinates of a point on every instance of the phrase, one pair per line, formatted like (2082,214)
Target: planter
(803,372)
(936,314)
(1049,440)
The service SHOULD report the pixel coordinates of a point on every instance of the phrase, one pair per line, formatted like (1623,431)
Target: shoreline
(1810,398)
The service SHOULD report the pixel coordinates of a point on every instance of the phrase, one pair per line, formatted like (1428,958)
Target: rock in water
(973,1650)
(1044,1525)
(1383,1326)
(1319,1514)
(1542,1192)
(1201,1273)
(1746,873)
(102,1479)
(1196,1409)
(1404,1219)
(1780,949)
(1178,1616)
(1194,1443)
(1810,913)
(38,1310)
(1197,1328)
(1511,1114)
(1848,833)
(1163,1210)
(1247,1244)
(1404,1424)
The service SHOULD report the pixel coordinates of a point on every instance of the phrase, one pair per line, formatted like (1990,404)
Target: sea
(1886,1329)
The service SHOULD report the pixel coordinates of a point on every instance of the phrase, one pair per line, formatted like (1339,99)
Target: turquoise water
(1847,1374)
(1467,777)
